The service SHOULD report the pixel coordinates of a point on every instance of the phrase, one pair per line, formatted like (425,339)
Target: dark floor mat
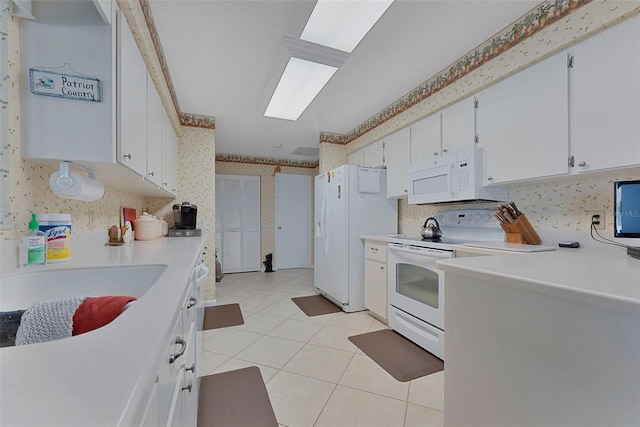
(315,305)
(222,316)
(235,398)
(400,357)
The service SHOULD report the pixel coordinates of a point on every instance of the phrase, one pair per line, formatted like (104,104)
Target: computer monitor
(626,199)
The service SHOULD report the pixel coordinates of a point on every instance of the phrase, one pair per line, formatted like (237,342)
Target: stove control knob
(486,217)
(477,217)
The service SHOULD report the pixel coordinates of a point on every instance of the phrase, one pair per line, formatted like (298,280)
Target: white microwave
(456,178)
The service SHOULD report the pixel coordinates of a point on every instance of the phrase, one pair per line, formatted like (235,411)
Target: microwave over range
(456,177)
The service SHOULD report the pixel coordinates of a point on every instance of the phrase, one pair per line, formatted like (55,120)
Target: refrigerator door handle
(324,223)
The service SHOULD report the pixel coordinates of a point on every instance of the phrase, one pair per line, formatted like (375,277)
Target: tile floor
(314,375)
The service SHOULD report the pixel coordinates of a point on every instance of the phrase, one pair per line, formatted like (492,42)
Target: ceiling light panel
(342,24)
(300,83)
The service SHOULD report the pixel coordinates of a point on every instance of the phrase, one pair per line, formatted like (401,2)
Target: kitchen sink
(20,291)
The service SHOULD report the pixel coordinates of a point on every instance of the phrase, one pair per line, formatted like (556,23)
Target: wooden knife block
(521,231)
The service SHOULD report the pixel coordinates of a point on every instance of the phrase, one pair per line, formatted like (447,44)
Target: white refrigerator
(349,201)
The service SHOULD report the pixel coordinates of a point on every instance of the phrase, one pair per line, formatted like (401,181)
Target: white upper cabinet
(458,126)
(374,154)
(605,99)
(523,124)
(132,102)
(398,154)
(169,156)
(118,138)
(426,140)
(154,134)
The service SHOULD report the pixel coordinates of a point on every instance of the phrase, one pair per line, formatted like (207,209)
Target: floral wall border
(523,28)
(236,158)
(186,119)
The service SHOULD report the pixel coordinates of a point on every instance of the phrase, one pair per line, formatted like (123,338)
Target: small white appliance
(349,201)
(417,286)
(456,177)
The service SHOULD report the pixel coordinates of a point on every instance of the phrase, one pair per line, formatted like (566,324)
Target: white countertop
(384,238)
(599,276)
(94,378)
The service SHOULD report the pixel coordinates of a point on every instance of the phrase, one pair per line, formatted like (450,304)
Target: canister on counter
(57,227)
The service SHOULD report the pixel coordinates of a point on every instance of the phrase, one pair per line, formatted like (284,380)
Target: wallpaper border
(236,158)
(523,28)
(186,119)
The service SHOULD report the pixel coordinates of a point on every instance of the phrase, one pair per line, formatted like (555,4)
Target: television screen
(626,199)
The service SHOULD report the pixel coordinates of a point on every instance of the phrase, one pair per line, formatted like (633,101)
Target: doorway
(293,221)
(238,222)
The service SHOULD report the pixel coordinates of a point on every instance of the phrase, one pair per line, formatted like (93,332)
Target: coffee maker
(184,216)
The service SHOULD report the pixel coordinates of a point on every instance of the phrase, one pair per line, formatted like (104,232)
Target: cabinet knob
(188,387)
(279,228)
(164,184)
(405,191)
(489,178)
(435,153)
(374,250)
(127,156)
(382,267)
(582,163)
(150,174)
(192,368)
(444,150)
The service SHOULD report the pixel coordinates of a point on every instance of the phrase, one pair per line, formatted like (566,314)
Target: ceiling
(225,58)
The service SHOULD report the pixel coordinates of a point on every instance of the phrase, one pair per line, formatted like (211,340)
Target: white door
(238,221)
(293,221)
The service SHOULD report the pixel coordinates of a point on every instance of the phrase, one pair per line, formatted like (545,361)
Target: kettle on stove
(430,231)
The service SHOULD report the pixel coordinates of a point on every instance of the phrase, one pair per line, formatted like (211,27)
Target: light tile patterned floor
(314,375)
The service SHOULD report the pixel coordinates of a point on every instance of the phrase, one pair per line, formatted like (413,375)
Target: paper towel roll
(78,187)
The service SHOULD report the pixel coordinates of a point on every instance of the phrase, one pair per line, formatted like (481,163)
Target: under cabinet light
(342,24)
(300,83)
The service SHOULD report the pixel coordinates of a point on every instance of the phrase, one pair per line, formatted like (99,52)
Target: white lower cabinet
(177,384)
(375,278)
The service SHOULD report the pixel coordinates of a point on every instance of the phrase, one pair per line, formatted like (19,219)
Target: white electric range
(416,286)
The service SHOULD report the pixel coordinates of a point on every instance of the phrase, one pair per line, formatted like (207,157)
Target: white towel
(48,321)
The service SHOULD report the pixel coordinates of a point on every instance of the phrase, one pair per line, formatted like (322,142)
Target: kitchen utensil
(431,231)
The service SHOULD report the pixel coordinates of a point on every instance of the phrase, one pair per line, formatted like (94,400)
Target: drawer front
(375,251)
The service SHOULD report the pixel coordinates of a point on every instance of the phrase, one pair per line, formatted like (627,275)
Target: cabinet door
(169,155)
(398,154)
(458,126)
(170,374)
(154,134)
(356,158)
(131,101)
(426,138)
(151,411)
(605,99)
(251,223)
(375,289)
(374,154)
(523,124)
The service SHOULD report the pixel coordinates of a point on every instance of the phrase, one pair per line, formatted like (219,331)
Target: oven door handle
(432,253)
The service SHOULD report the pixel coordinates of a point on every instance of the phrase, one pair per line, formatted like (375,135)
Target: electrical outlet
(92,218)
(597,218)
